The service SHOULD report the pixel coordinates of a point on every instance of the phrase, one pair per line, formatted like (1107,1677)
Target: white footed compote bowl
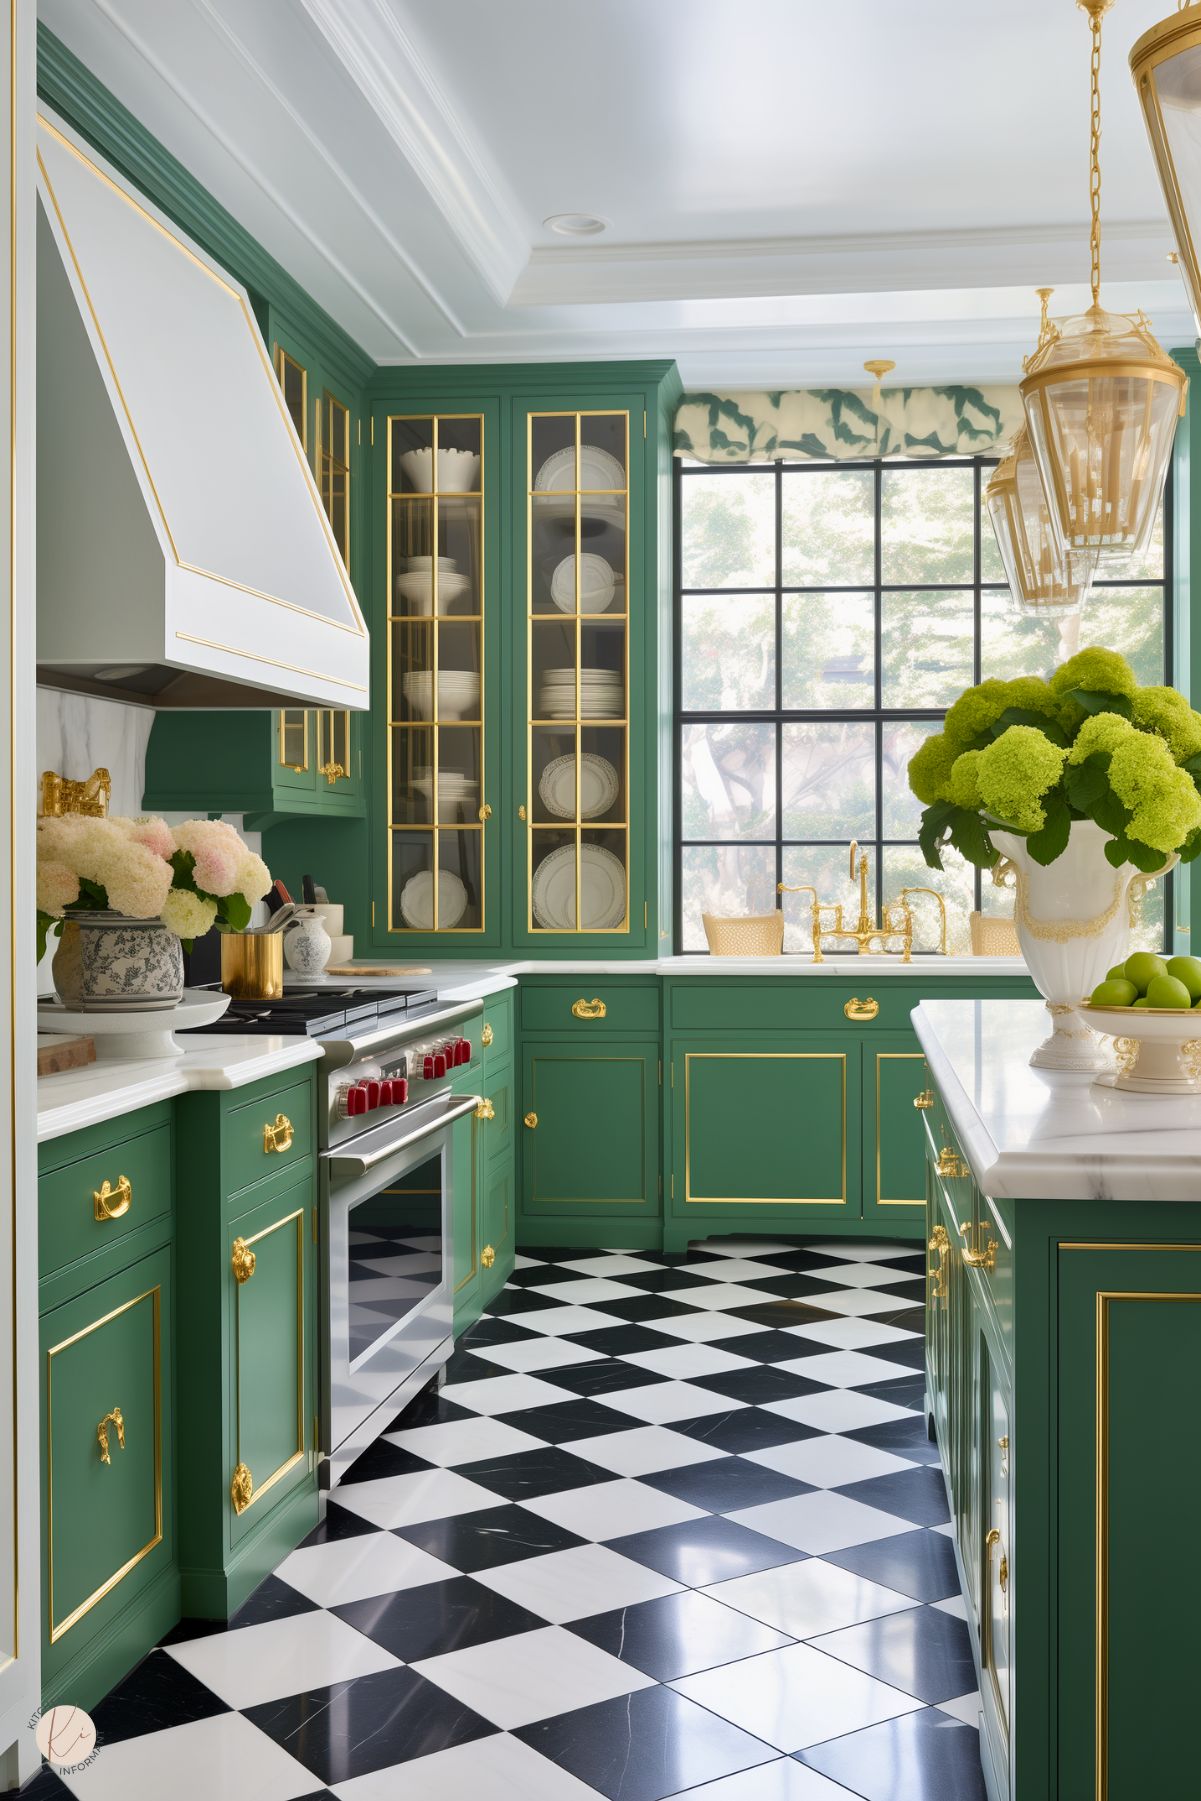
(1158,1049)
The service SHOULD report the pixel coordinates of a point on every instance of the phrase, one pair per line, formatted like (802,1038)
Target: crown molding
(396,83)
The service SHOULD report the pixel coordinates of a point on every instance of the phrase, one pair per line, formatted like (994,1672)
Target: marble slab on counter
(466,981)
(1045,1134)
(112,1086)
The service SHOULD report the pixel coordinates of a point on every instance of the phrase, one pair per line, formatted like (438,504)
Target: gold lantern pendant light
(1043,577)
(1102,399)
(1166,65)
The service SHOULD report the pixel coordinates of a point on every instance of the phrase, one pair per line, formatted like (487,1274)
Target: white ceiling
(790,186)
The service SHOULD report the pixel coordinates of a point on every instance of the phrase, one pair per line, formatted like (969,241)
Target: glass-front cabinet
(438,809)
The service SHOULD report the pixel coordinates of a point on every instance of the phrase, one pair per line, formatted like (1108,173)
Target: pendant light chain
(1094,154)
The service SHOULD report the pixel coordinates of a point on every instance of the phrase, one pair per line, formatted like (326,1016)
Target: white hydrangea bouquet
(190,876)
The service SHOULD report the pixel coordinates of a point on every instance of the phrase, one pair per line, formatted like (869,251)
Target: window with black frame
(827,615)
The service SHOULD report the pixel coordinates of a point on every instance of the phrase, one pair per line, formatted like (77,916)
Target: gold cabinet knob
(241,1488)
(485,1109)
(985,1259)
(857,1009)
(531,1120)
(593,1009)
(924,1100)
(111,1203)
(242,1261)
(488,1256)
(486,1036)
(485,813)
(948,1165)
(278,1134)
(521,812)
(939,1239)
(114,1418)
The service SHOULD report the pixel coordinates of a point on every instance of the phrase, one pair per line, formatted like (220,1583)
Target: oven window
(395,1255)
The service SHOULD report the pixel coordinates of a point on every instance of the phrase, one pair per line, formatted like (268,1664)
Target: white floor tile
(828,1462)
(515,1681)
(847,1369)
(394,1501)
(685,1361)
(964,1707)
(561,1320)
(281,1657)
(501,1394)
(703,1328)
(533,1354)
(225,1755)
(464,1441)
(496,1768)
(865,1250)
(658,1403)
(521,1261)
(822,1521)
(857,1301)
(853,1334)
(350,1569)
(570,1585)
(806,1598)
(946,1528)
(736,1269)
(644,1450)
(954,1605)
(716,1296)
(795,1697)
(856,1274)
(611,1263)
(584,1290)
(784,1780)
(838,1410)
(612,1509)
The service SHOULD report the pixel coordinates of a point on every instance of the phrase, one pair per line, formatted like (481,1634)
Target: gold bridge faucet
(865,932)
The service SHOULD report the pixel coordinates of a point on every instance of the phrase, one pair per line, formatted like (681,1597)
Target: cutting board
(57,1052)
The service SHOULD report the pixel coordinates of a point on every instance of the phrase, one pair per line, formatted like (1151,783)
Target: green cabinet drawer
(267,1135)
(590,1128)
(894,1149)
(806,1002)
(96,1201)
(106,1477)
(496,1037)
(589,1006)
(498,1089)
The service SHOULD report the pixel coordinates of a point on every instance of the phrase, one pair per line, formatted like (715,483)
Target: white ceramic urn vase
(1073,924)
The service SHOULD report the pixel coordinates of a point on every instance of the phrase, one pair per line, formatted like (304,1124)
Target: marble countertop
(1043,1134)
(462,981)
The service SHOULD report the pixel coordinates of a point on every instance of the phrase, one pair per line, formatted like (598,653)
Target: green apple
(1166,991)
(1142,969)
(1142,1001)
(1188,971)
(1119,969)
(1114,992)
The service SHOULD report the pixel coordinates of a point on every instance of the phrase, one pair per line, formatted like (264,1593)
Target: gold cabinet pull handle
(531,1120)
(485,813)
(940,1243)
(488,1256)
(485,1109)
(857,1009)
(991,1541)
(486,1036)
(242,1261)
(593,1009)
(114,1418)
(104,1197)
(985,1259)
(949,1165)
(923,1100)
(241,1488)
(278,1134)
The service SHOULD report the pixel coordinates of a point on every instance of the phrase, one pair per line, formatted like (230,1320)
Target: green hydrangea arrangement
(1029,756)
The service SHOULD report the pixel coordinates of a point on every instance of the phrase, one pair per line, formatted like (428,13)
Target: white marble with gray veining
(77,733)
(1044,1134)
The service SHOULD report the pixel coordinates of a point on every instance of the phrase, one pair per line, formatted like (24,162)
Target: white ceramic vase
(1073,924)
(307,944)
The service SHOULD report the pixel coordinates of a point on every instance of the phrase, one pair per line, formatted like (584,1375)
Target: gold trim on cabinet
(284,362)
(104,1196)
(285,726)
(15,923)
(250,656)
(760,1200)
(290,1219)
(57,1630)
(475,1176)
(531,1120)
(921,1102)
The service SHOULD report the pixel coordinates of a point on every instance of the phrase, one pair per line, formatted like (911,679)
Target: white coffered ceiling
(790,186)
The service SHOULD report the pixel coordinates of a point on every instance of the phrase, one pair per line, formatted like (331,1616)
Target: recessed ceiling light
(575,225)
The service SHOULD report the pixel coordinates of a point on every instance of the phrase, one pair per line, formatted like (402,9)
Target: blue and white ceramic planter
(106,963)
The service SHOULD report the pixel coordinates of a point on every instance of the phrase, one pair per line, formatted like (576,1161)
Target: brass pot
(252,965)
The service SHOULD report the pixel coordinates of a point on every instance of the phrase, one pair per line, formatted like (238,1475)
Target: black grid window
(827,614)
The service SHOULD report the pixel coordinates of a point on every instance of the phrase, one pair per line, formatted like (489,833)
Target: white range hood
(184,557)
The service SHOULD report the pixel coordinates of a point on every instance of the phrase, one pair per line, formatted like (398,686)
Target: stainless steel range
(385,1120)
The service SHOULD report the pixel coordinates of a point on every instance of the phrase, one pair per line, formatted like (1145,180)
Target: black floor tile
(655,1281)
(524,1474)
(925,1756)
(437,1617)
(910,1351)
(159,1692)
(908,1319)
(539,1275)
(384,1459)
(726,1484)
(914,1292)
(271,1600)
(520,1300)
(924,1652)
(45,1786)
(558,1422)
(490,1536)
(902,1391)
(769,1347)
(789,1286)
(645,1309)
(921,1564)
(621,1341)
(747,1429)
(700,1552)
(761,1383)
(599,1378)
(785,1313)
(918,1494)
(563,1253)
(645,1746)
(489,1331)
(905,1438)
(370,1723)
(429,1409)
(798,1261)
(339,1523)
(678,1635)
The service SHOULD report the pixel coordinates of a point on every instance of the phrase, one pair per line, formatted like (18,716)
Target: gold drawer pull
(485,1109)
(857,1009)
(949,1165)
(992,1540)
(985,1259)
(486,1036)
(104,1197)
(242,1261)
(593,1009)
(531,1120)
(115,1418)
(278,1136)
(488,1256)
(241,1489)
(924,1100)
(937,1272)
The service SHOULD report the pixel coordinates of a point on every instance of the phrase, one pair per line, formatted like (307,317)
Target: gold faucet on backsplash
(865,932)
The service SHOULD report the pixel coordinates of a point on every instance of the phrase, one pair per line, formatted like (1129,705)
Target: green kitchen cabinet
(466,1219)
(894,1160)
(589,1141)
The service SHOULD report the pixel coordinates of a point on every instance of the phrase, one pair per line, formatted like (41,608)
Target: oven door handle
(346,1161)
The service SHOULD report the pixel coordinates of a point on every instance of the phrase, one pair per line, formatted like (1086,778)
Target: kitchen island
(1063,1339)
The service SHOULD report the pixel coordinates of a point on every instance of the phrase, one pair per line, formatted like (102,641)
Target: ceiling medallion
(1043,577)
(1166,65)
(1102,399)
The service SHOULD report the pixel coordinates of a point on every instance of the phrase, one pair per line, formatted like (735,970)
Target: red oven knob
(427,1066)
(355,1100)
(462,1051)
(440,1063)
(373,1095)
(394,1093)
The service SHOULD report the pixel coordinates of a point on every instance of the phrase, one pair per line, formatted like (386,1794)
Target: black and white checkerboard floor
(672,1526)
